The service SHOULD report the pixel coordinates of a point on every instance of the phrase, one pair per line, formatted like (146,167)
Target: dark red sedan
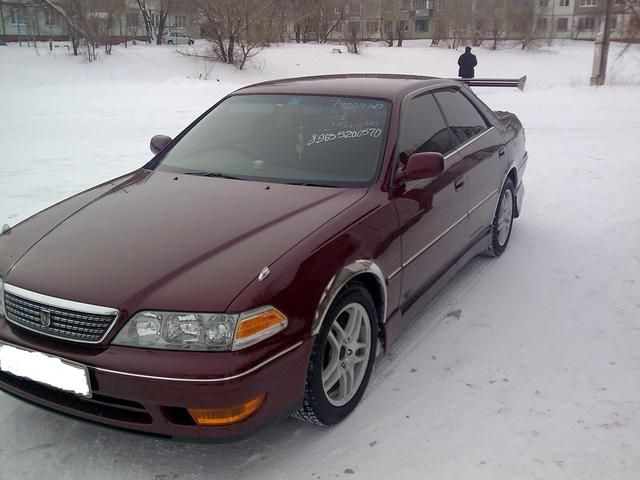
(254,268)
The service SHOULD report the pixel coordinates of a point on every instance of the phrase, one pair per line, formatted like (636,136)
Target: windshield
(301,139)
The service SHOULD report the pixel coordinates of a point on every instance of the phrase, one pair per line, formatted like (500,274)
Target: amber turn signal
(257,325)
(217,417)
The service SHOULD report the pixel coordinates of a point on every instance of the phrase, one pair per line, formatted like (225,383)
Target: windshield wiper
(214,175)
(312,184)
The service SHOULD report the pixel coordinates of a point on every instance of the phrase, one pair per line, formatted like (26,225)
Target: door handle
(459,183)
(501,152)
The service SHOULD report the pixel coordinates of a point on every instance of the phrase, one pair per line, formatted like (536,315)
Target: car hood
(173,242)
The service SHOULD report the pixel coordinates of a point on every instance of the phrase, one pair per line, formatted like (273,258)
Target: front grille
(61,323)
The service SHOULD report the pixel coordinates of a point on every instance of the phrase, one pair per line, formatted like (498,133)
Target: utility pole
(601,51)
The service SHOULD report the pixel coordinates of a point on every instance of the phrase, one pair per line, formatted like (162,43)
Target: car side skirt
(415,305)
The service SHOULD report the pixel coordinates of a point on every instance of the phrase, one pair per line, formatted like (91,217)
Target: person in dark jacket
(467,62)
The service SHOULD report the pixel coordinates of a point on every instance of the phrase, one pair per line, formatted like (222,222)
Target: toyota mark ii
(256,266)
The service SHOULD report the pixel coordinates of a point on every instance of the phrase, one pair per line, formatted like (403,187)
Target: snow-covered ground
(524,367)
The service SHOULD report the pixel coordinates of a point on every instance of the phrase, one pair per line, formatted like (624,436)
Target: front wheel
(342,358)
(503,220)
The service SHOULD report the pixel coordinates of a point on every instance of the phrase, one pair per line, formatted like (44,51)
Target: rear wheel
(342,358)
(503,220)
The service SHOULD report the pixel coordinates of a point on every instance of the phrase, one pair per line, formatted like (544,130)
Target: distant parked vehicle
(177,38)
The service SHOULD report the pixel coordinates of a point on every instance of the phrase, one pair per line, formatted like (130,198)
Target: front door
(432,212)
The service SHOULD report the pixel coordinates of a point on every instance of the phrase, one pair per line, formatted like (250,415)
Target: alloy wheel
(346,354)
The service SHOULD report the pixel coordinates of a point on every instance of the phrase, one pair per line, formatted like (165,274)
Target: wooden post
(601,50)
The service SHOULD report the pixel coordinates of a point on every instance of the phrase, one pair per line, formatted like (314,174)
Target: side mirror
(421,165)
(158,142)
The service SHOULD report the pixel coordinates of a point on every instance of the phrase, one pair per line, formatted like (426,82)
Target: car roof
(383,86)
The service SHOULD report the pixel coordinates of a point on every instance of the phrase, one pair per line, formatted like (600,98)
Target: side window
(423,129)
(463,118)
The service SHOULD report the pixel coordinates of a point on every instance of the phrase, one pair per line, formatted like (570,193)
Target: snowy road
(524,367)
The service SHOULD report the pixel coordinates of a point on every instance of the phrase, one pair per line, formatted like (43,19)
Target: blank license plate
(46,369)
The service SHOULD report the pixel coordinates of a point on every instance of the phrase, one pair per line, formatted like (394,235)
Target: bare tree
(522,20)
(354,37)
(88,20)
(154,23)
(237,29)
(303,15)
(400,30)
(632,8)
(496,22)
(387,32)
(329,22)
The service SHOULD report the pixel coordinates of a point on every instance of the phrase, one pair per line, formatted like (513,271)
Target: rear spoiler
(494,82)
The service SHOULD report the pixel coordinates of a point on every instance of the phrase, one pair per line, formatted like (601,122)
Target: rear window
(464,119)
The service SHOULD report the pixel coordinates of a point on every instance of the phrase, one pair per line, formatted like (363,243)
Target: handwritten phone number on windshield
(330,137)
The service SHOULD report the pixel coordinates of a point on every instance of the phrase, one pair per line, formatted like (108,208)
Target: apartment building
(28,20)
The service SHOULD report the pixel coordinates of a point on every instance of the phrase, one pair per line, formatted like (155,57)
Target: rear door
(483,158)
(432,212)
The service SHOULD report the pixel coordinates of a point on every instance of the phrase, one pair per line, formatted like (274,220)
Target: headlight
(201,331)
(2,298)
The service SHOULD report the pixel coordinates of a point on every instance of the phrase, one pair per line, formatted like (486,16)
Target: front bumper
(156,402)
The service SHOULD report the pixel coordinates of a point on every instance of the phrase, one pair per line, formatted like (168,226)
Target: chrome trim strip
(59,302)
(339,280)
(203,380)
(483,201)
(62,304)
(394,273)
(424,249)
(468,142)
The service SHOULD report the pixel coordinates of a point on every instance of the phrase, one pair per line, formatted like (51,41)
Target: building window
(133,20)
(372,26)
(405,5)
(588,3)
(403,26)
(564,3)
(563,24)
(516,27)
(18,17)
(338,28)
(338,10)
(51,18)
(420,4)
(355,8)
(388,6)
(440,4)
(543,3)
(614,22)
(422,25)
(541,24)
(181,21)
(388,27)
(587,23)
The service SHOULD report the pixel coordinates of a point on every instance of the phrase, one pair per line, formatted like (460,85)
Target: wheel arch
(512,175)
(365,272)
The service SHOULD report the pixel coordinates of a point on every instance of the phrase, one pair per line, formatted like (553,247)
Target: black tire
(169,42)
(191,42)
(316,407)
(497,248)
